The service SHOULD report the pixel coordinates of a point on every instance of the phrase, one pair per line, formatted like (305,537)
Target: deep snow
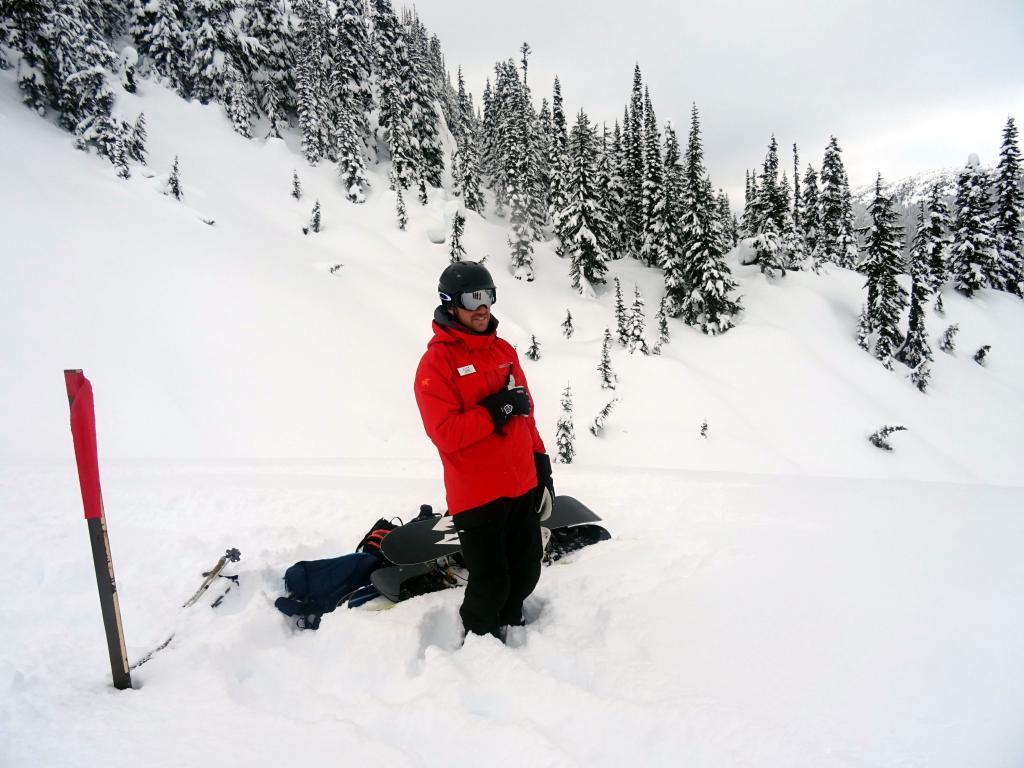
(779,593)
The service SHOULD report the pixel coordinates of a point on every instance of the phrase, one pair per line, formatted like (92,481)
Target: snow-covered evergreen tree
(633,165)
(699,286)
(456,252)
(1009,213)
(621,317)
(938,239)
(654,208)
(240,106)
(608,377)
(768,216)
(836,242)
(598,425)
(533,351)
(137,137)
(274,26)
(314,221)
(565,436)
(973,251)
(916,352)
(310,80)
(157,28)
(558,165)
(567,327)
(27,38)
(349,149)
(636,324)
(982,354)
(582,224)
(120,158)
(210,40)
(662,320)
(421,95)
(390,65)
(174,181)
(886,297)
(810,210)
(947,342)
(351,66)
(296,186)
(400,212)
(469,180)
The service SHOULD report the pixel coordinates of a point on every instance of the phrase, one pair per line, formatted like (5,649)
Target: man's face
(477,320)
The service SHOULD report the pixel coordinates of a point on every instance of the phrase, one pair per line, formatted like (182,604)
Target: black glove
(544,483)
(506,403)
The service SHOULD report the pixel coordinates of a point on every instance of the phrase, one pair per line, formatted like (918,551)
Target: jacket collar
(448,330)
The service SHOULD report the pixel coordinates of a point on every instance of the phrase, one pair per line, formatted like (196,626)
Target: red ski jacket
(456,372)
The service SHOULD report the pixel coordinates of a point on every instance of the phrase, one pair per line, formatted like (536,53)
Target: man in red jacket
(476,409)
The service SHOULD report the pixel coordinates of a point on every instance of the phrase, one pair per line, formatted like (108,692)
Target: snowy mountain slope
(746,612)
(235,340)
(909,190)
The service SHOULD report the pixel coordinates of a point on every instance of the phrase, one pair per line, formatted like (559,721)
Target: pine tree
(675,175)
(916,352)
(400,212)
(314,221)
(973,253)
(810,212)
(565,437)
(633,167)
(211,41)
(27,37)
(836,243)
(273,25)
(296,186)
(558,164)
(886,298)
(583,228)
(635,324)
(567,327)
(74,65)
(469,182)
(947,342)
(158,32)
(938,240)
(533,351)
(239,106)
(456,251)
(351,66)
(798,218)
(653,201)
(174,181)
(136,143)
(768,216)
(351,168)
(699,286)
(609,193)
(662,319)
(598,425)
(310,80)
(1009,213)
(120,158)
(621,318)
(982,354)
(519,171)
(608,377)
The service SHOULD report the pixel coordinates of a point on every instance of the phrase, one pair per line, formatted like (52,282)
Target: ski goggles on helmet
(473,300)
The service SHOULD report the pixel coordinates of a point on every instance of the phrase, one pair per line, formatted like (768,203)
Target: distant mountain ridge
(910,189)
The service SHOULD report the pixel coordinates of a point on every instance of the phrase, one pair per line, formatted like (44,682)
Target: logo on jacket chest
(466,370)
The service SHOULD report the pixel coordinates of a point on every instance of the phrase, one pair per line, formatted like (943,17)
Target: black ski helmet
(463,277)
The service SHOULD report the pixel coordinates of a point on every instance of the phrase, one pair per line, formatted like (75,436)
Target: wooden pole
(83,431)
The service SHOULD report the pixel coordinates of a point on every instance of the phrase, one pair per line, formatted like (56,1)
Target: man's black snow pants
(501,544)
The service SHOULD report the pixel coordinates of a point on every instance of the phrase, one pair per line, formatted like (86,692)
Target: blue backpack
(316,587)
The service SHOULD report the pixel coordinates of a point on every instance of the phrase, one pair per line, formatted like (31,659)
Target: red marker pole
(83,430)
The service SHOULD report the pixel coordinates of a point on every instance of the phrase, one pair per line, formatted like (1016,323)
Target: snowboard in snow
(424,541)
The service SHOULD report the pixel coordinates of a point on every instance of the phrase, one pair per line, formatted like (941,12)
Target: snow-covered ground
(778,593)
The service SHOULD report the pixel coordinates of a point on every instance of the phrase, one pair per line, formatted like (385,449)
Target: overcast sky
(905,85)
